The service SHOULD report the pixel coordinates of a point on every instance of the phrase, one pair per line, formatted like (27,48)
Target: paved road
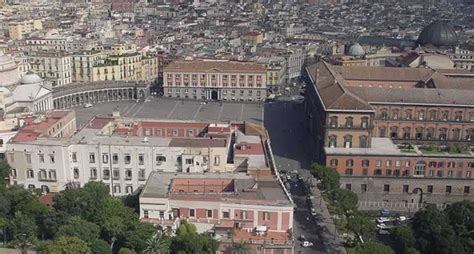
(161,108)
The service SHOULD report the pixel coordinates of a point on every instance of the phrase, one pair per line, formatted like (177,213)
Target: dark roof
(438,34)
(384,41)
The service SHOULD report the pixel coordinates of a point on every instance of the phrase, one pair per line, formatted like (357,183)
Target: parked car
(383,219)
(307,244)
(313,212)
(87,105)
(381,226)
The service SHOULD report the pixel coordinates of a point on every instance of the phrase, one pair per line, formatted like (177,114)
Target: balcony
(345,127)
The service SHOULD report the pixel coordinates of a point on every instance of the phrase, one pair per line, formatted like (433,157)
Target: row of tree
(86,220)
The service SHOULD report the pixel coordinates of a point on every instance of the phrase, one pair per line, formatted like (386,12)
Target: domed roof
(438,34)
(31,78)
(356,50)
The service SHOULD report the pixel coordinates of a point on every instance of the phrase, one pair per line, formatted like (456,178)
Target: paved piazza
(160,108)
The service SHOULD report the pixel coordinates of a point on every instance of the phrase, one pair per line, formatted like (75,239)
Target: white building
(54,67)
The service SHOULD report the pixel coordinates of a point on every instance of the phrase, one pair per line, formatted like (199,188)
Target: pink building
(234,206)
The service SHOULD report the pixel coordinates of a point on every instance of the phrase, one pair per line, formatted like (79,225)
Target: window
(458,116)
(266,216)
(467,189)
(106,174)
(388,172)
(379,163)
(406,133)
(433,114)
(451,164)
(91,157)
(192,213)
(116,174)
(440,173)
(30,174)
(394,132)
(115,158)
(349,171)
(383,114)
(350,163)
(105,158)
(74,157)
(189,161)
(420,168)
(145,214)
(419,133)
(378,172)
(408,114)
(160,159)
(363,141)
(225,215)
(382,131)
(244,215)
(141,174)
(365,171)
(363,188)
(127,158)
(405,188)
(209,213)
(141,159)
(28,158)
(365,163)
(349,122)
(41,157)
(421,115)
(333,163)
(450,173)
(13,173)
(445,115)
(348,141)
(364,122)
(128,174)
(386,187)
(348,186)
(93,173)
(448,189)
(76,173)
(51,158)
(117,188)
(333,122)
(332,141)
(128,189)
(456,134)
(395,114)
(430,188)
(468,174)
(388,163)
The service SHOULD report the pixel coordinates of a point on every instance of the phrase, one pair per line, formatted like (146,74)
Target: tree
(82,229)
(137,237)
(240,248)
(461,218)
(404,238)
(344,200)
(434,233)
(99,246)
(189,241)
(371,247)
(361,225)
(159,244)
(126,251)
(24,231)
(67,245)
(4,171)
(329,177)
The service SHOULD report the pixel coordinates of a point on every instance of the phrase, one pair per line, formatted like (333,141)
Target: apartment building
(123,152)
(276,70)
(463,57)
(215,80)
(236,207)
(398,137)
(18,29)
(54,67)
(83,63)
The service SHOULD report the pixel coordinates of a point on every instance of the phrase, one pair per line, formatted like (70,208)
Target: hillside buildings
(397,136)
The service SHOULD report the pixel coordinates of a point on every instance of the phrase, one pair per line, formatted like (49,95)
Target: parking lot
(160,108)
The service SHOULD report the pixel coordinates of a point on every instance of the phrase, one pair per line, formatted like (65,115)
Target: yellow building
(252,38)
(18,29)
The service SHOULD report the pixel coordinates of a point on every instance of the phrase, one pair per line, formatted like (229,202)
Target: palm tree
(158,244)
(240,248)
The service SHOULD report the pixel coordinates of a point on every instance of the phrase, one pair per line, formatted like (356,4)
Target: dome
(356,50)
(31,78)
(438,34)
(9,73)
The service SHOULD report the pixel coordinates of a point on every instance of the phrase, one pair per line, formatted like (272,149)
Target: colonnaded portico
(77,94)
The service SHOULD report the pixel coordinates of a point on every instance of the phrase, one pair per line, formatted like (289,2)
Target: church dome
(438,34)
(9,73)
(31,78)
(356,50)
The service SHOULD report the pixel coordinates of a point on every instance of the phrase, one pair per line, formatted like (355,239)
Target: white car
(313,212)
(402,218)
(383,219)
(381,226)
(87,105)
(307,244)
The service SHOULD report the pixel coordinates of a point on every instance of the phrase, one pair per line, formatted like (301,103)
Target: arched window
(332,141)
(383,113)
(406,133)
(333,163)
(419,133)
(348,141)
(443,134)
(470,135)
(421,115)
(364,122)
(333,122)
(363,141)
(420,168)
(365,163)
(456,134)
(349,122)
(430,133)
(408,114)
(349,163)
(432,164)
(394,132)
(433,115)
(395,114)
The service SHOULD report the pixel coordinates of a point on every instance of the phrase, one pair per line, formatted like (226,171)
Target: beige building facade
(18,29)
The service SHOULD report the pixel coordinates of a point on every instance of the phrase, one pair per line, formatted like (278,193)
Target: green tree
(345,201)
(371,247)
(434,232)
(4,171)
(328,176)
(67,245)
(404,238)
(158,244)
(240,248)
(99,246)
(137,237)
(361,226)
(24,231)
(461,218)
(188,241)
(80,228)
